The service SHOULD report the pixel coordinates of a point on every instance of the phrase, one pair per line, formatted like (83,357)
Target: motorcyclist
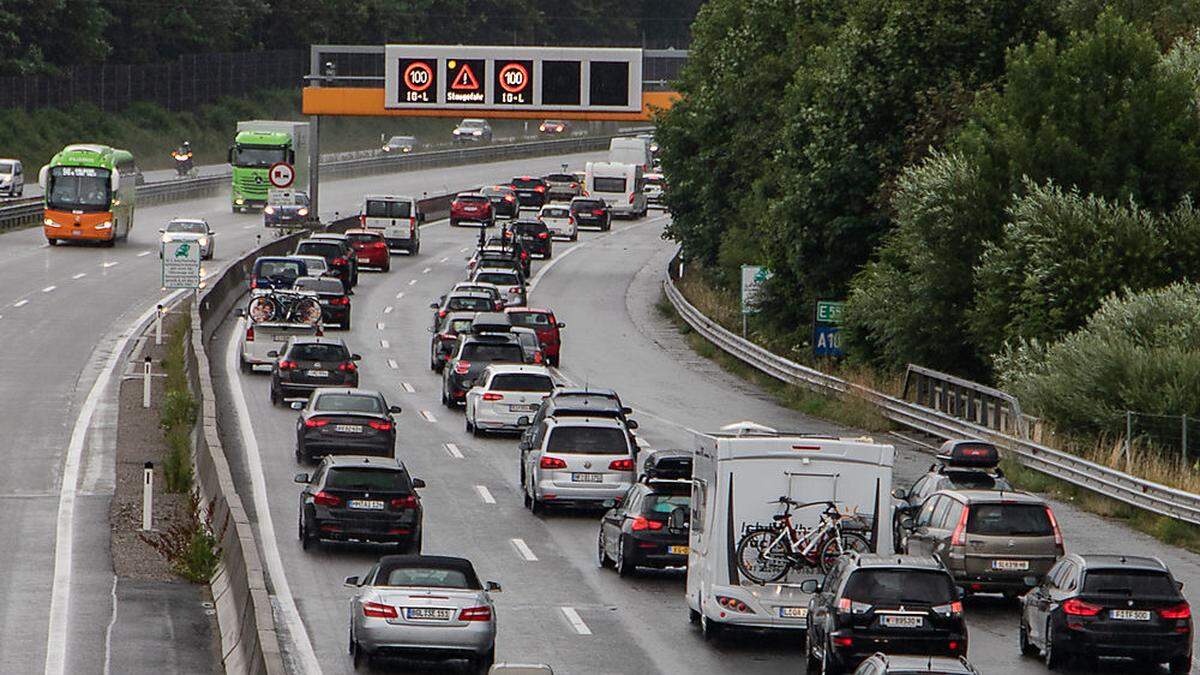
(183,159)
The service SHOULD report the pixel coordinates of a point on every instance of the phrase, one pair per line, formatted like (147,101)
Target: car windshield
(426,576)
(358,478)
(1008,520)
(249,155)
(883,586)
(364,238)
(654,180)
(400,140)
(186,226)
(495,191)
(459,326)
(600,184)
(561,178)
(526,183)
(7,168)
(280,268)
(660,503)
(388,209)
(319,352)
(556,212)
(1129,582)
(324,249)
(522,382)
(530,319)
(527,228)
(459,303)
(351,403)
(320,285)
(977,480)
(474,124)
(586,205)
(498,278)
(588,441)
(315,264)
(78,188)
(471,199)
(493,352)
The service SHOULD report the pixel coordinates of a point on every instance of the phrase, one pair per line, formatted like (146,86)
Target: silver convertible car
(423,607)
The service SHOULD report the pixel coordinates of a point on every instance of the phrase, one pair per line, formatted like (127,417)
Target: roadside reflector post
(158,326)
(148,495)
(146,385)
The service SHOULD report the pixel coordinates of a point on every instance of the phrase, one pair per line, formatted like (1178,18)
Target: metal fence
(190,81)
(1171,435)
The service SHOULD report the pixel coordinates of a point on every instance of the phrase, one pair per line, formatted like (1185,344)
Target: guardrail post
(1184,445)
(146,384)
(1128,438)
(158,325)
(148,496)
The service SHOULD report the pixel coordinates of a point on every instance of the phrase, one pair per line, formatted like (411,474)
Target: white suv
(576,460)
(504,394)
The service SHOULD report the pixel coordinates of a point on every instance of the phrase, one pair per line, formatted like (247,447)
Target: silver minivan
(12,178)
(576,460)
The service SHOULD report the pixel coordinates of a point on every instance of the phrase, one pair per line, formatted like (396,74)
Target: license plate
(318,373)
(433,613)
(523,408)
(363,259)
(891,621)
(1130,614)
(366,504)
(280,338)
(677,550)
(586,478)
(348,428)
(793,612)
(76,232)
(1010,565)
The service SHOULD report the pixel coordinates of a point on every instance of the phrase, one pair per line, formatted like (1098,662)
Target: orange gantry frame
(368,102)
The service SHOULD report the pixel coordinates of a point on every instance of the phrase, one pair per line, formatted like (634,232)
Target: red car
(370,248)
(547,327)
(471,207)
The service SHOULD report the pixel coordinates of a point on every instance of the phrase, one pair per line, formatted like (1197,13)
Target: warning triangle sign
(465,79)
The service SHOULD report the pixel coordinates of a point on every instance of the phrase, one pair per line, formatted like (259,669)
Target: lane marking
(427,270)
(112,621)
(20,303)
(537,278)
(576,621)
(80,275)
(143,254)
(400,295)
(384,344)
(485,495)
(428,417)
(453,450)
(379,326)
(58,631)
(446,259)
(523,550)
(266,525)
(392,364)
(249,227)
(413,282)
(408,387)
(388,309)
(464,249)
(49,289)
(113,263)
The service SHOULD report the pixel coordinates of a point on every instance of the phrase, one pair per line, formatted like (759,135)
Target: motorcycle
(184,168)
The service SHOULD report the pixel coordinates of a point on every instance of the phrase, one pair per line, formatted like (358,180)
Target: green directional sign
(830,311)
(753,277)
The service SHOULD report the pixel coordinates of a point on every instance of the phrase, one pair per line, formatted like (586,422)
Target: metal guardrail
(1154,497)
(965,400)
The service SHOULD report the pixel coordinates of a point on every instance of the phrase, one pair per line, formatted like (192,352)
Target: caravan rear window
(608,184)
(389,209)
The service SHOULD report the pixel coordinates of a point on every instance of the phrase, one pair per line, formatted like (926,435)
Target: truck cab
(258,145)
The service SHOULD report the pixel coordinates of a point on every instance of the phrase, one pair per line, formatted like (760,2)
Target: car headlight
(105,225)
(166,238)
(476,133)
(269,210)
(204,241)
(303,212)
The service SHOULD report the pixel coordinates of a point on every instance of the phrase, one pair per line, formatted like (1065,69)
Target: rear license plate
(280,338)
(348,428)
(1130,614)
(76,233)
(586,478)
(677,550)
(793,612)
(891,621)
(366,504)
(318,373)
(523,408)
(1010,565)
(363,259)
(433,613)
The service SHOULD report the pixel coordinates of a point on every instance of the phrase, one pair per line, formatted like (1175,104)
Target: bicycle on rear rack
(766,553)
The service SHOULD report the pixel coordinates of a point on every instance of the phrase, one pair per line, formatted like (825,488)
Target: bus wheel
(111,242)
(52,242)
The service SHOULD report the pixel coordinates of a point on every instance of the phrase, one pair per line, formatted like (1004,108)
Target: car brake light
(543,235)
(540,188)
(953,609)
(311,423)
(1077,607)
(362,220)
(570,220)
(734,604)
(574,185)
(621,465)
(325,499)
(598,212)
(1058,538)
(253,283)
(475,614)
(552,463)
(441,313)
(250,334)
(493,397)
(408,502)
(288,365)
(514,289)
(843,641)
(1180,611)
(379,244)
(843,605)
(347,367)
(508,198)
(380,426)
(642,523)
(343,300)
(338,261)
(959,538)
(379,610)
(462,367)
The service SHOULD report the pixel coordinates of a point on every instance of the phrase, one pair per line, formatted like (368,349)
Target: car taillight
(362,220)
(621,465)
(253,283)
(959,538)
(409,502)
(441,313)
(570,220)
(1058,538)
(1180,611)
(1077,607)
(462,367)
(325,499)
(953,609)
(412,224)
(343,300)
(347,367)
(552,463)
(380,426)
(313,423)
(734,604)
(514,289)
(508,198)
(598,212)
(642,523)
(250,334)
(493,397)
(543,235)
(288,365)
(574,185)
(338,261)
(843,641)
(379,244)
(540,188)
(475,614)
(379,611)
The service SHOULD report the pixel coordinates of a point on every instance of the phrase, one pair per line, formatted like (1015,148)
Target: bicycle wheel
(263,308)
(307,310)
(761,558)
(836,547)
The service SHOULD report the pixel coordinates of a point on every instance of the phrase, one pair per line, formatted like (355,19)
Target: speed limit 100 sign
(281,175)
(418,81)
(514,82)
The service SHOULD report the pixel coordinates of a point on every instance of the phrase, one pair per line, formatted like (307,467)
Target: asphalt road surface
(605,289)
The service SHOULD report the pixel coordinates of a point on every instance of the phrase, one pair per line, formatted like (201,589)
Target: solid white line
(408,387)
(49,289)
(384,344)
(413,282)
(113,263)
(453,450)
(388,309)
(20,303)
(428,416)
(392,364)
(266,526)
(485,495)
(80,275)
(576,621)
(400,295)
(524,550)
(60,590)
(537,278)
(112,621)
(379,326)
(143,254)
(427,270)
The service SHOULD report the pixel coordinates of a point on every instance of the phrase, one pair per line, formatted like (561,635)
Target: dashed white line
(400,295)
(249,227)
(49,289)
(576,621)
(464,249)
(485,494)
(453,450)
(413,282)
(428,416)
(446,259)
(80,275)
(427,270)
(384,344)
(388,309)
(143,254)
(20,303)
(408,387)
(112,263)
(392,364)
(379,326)
(523,550)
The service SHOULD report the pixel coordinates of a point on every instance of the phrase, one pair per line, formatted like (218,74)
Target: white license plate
(793,612)
(523,408)
(318,373)
(891,621)
(1010,565)
(433,613)
(363,259)
(348,428)
(366,504)
(280,338)
(586,478)
(1130,614)
(76,232)
(677,550)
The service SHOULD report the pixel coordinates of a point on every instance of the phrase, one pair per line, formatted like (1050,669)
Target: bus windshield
(250,155)
(78,188)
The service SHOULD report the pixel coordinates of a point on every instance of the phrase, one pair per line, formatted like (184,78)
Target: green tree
(40,36)
(1165,19)
(163,31)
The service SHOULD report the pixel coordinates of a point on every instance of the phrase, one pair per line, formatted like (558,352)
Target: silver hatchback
(576,460)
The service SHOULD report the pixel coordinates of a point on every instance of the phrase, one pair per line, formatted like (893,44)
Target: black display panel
(609,83)
(418,81)
(514,82)
(464,81)
(561,82)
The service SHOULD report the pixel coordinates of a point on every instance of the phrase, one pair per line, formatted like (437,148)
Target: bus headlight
(105,225)
(239,200)
(50,223)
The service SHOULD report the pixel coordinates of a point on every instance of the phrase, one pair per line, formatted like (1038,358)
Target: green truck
(258,145)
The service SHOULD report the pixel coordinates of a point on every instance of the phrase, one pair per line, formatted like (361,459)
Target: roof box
(491,322)
(668,465)
(969,454)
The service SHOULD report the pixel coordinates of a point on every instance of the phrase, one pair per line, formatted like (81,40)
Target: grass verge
(178,411)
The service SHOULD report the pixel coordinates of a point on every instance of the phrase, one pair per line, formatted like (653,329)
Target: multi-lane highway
(558,607)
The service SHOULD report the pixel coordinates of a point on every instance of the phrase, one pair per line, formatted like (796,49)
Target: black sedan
(345,422)
(333,296)
(338,255)
(308,363)
(292,212)
(535,236)
(505,203)
(591,212)
(367,499)
(648,528)
(472,354)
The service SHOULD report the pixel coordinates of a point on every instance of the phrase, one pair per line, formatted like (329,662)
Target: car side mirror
(229,155)
(810,586)
(297,405)
(561,324)
(632,424)
(433,305)
(1030,581)
(241,311)
(162,230)
(523,421)
(273,354)
(493,587)
(1179,585)
(356,357)
(395,409)
(626,410)
(418,483)
(301,478)
(352,582)
(900,493)
(608,503)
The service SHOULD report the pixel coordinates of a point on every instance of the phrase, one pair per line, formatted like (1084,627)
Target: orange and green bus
(89,194)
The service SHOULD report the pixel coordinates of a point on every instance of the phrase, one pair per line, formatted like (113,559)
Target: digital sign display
(418,81)
(561,82)
(464,82)
(609,83)
(514,82)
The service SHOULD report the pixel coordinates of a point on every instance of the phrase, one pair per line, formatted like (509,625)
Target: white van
(737,476)
(631,150)
(399,219)
(621,186)
(12,178)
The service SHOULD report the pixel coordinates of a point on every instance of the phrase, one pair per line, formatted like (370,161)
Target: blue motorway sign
(827,341)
